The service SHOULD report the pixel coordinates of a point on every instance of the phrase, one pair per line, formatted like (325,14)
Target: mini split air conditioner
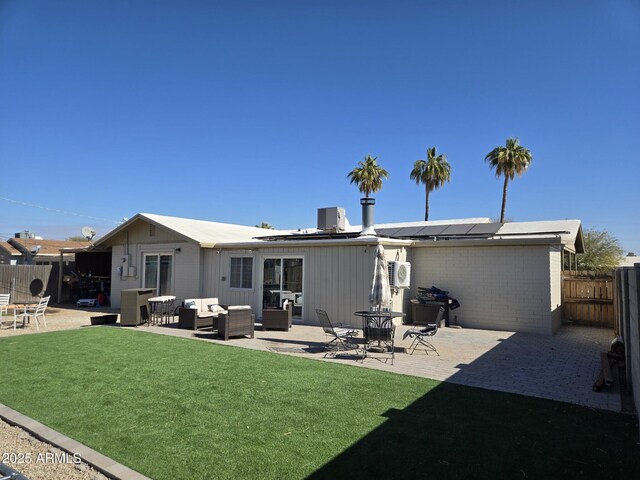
(399,274)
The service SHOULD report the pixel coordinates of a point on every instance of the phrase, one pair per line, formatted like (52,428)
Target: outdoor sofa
(199,313)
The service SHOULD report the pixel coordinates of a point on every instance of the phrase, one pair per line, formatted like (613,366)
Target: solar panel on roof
(460,229)
(485,228)
(431,230)
(388,232)
(408,231)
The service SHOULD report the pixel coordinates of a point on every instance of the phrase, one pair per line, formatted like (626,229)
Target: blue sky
(250,111)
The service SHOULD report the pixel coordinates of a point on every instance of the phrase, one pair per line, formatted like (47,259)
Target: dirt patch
(57,317)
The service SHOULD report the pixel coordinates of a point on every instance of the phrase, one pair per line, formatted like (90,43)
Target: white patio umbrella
(380,295)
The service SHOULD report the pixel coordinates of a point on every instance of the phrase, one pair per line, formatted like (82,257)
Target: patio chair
(277,318)
(342,338)
(379,334)
(4,304)
(34,311)
(236,322)
(421,336)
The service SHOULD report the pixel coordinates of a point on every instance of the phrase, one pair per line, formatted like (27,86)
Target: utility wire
(57,210)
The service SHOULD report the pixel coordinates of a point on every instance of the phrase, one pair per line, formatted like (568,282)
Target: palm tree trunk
(504,198)
(426,204)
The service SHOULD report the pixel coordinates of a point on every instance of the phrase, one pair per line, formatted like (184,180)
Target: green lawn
(177,408)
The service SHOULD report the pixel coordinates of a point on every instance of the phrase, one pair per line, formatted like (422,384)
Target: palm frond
(434,172)
(368,175)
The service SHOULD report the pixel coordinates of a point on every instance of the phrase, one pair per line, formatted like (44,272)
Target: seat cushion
(239,307)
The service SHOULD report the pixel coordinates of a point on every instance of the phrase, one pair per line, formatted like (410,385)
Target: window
(157,272)
(241,272)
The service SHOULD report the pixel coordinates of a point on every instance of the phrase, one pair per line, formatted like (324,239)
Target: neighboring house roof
(11,250)
(203,232)
(47,247)
(629,261)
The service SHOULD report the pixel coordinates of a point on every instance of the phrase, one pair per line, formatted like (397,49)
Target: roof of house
(209,234)
(202,232)
(569,231)
(47,247)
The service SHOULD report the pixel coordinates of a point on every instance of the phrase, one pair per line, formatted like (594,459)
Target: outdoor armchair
(4,304)
(278,318)
(236,322)
(421,336)
(341,337)
(34,311)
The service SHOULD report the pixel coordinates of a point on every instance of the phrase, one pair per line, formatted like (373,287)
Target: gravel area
(38,460)
(58,318)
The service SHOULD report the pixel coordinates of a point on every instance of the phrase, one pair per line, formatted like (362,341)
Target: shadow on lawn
(457,431)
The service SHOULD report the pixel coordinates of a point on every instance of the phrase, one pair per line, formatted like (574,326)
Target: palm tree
(266,225)
(509,160)
(433,172)
(368,175)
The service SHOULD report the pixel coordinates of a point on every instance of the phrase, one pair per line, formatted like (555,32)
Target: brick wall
(499,287)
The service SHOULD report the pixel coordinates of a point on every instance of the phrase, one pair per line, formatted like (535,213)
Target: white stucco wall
(498,287)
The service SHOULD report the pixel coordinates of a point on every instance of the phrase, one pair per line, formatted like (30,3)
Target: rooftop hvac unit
(332,218)
(399,274)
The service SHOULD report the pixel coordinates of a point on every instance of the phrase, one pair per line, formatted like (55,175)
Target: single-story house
(505,276)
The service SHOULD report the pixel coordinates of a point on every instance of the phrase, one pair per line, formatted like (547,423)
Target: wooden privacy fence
(20,280)
(588,300)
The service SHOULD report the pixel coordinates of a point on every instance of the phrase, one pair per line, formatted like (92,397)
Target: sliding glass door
(282,280)
(157,272)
